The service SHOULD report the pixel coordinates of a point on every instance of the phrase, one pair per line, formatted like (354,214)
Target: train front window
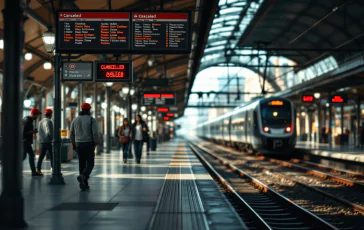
(276,116)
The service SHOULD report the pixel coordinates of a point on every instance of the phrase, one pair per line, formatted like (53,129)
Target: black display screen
(93,32)
(113,71)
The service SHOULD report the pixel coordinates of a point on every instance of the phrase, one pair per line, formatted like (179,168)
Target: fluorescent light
(103,105)
(108,84)
(27,103)
(1,43)
(28,56)
(145,116)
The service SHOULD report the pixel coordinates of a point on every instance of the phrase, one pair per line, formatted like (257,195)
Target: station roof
(179,69)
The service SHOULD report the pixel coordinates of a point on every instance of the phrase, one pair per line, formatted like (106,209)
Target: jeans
(44,148)
(86,157)
(126,150)
(27,148)
(138,147)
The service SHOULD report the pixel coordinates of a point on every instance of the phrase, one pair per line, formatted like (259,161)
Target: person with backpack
(124,138)
(139,135)
(84,139)
(28,134)
(45,138)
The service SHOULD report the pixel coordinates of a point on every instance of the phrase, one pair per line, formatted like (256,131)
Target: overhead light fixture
(88,100)
(47,65)
(2,44)
(303,114)
(150,62)
(103,105)
(149,117)
(125,89)
(28,56)
(27,103)
(327,104)
(132,91)
(143,108)
(134,107)
(116,108)
(145,116)
(49,40)
(149,112)
(317,95)
(176,115)
(121,110)
(108,84)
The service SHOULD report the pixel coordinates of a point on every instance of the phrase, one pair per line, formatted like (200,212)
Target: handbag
(124,140)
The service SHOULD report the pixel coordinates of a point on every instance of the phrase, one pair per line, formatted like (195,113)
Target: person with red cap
(45,138)
(28,133)
(84,139)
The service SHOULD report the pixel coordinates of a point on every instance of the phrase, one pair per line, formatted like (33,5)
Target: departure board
(159,98)
(161,32)
(93,32)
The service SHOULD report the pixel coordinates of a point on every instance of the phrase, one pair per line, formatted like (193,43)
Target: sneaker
(138,161)
(81,179)
(40,172)
(87,186)
(37,174)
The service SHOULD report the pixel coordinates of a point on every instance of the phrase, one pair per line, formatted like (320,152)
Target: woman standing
(139,134)
(124,138)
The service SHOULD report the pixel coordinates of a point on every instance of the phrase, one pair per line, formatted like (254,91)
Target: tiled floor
(135,187)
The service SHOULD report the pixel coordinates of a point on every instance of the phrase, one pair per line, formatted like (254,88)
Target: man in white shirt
(84,139)
(45,137)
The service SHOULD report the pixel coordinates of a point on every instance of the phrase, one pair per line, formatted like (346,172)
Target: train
(265,126)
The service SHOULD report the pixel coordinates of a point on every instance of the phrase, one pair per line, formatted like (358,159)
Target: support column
(11,199)
(342,118)
(358,113)
(319,123)
(330,124)
(57,177)
(64,106)
(94,102)
(108,119)
(81,95)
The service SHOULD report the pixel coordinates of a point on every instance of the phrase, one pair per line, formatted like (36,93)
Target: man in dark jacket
(28,132)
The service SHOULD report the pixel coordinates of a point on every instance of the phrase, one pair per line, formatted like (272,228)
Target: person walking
(124,138)
(84,139)
(139,135)
(28,134)
(45,138)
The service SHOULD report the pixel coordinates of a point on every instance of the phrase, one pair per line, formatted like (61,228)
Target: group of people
(138,133)
(84,138)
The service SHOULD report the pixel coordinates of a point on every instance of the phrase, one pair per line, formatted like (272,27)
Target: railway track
(268,208)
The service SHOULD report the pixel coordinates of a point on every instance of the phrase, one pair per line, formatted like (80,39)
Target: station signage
(159,98)
(115,32)
(170,114)
(166,118)
(173,108)
(338,99)
(307,98)
(89,31)
(161,32)
(113,71)
(162,110)
(77,71)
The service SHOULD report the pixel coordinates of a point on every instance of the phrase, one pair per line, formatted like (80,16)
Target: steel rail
(298,210)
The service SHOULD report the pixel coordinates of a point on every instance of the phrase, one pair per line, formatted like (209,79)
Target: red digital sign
(166,118)
(163,110)
(307,98)
(113,71)
(159,98)
(338,99)
(170,114)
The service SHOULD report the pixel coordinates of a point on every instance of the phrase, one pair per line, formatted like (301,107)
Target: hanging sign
(87,31)
(77,71)
(161,32)
(338,99)
(159,98)
(113,71)
(307,98)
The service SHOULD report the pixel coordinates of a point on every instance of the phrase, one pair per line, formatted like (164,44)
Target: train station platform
(347,153)
(170,189)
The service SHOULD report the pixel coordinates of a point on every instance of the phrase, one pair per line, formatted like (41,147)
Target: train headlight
(288,129)
(266,129)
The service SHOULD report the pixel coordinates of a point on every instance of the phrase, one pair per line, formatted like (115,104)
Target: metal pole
(130,154)
(330,125)
(94,110)
(57,177)
(11,199)
(358,111)
(342,118)
(108,118)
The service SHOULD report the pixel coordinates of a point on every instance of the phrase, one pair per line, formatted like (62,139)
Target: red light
(114,74)
(163,110)
(152,95)
(113,67)
(170,114)
(308,98)
(337,99)
(266,129)
(288,129)
(169,95)
(166,118)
